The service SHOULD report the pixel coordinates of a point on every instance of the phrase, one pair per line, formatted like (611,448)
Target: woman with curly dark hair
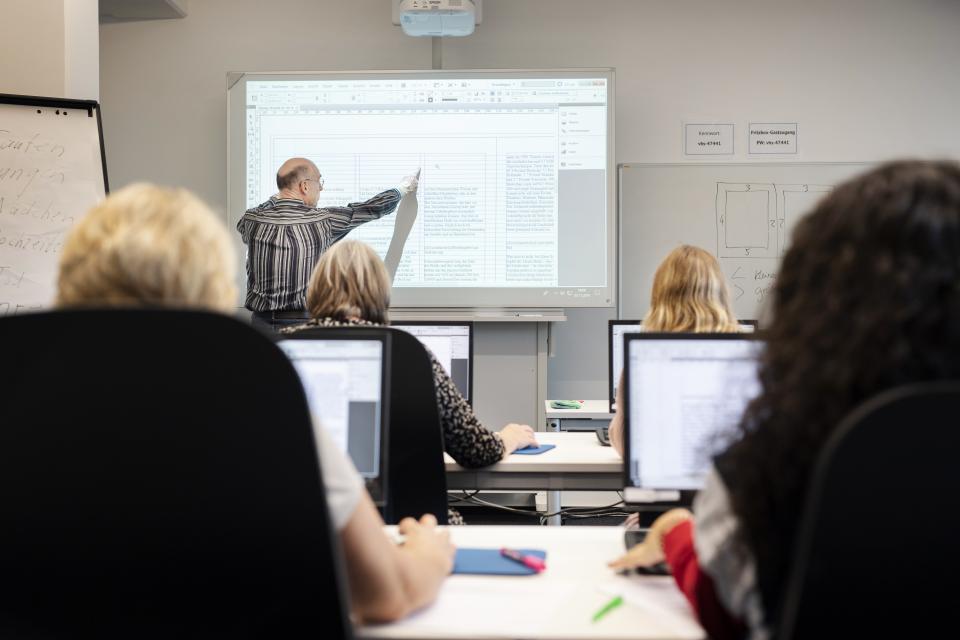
(867,298)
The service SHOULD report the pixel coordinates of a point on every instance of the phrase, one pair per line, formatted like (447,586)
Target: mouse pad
(532,451)
(490,562)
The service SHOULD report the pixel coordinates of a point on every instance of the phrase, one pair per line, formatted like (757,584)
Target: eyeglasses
(319,181)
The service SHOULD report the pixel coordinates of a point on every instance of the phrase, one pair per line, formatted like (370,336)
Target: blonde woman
(689,295)
(350,286)
(149,246)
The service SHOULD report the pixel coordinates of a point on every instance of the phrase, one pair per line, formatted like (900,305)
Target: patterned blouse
(467,441)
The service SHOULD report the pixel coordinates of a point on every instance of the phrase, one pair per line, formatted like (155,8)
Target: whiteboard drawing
(746,220)
(793,202)
(755,219)
(663,205)
(51,174)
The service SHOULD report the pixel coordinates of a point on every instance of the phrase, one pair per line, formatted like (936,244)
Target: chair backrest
(416,476)
(879,534)
(159,478)
(418,480)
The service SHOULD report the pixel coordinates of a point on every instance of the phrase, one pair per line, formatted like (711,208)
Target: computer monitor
(345,376)
(615,333)
(685,393)
(452,344)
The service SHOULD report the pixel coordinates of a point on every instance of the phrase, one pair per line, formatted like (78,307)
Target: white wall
(50,48)
(31,47)
(81,53)
(865,80)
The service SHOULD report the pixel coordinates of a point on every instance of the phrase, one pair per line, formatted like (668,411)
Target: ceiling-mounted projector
(436,17)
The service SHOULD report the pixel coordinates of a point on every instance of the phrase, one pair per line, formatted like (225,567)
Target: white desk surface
(591,410)
(576,452)
(556,604)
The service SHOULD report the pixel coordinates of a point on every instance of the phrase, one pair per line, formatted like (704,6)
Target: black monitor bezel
(610,383)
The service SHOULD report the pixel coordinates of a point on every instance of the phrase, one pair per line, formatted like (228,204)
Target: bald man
(286,235)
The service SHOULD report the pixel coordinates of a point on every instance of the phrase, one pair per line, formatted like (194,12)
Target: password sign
(773,138)
(708,139)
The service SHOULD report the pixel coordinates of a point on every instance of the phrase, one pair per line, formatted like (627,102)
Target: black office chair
(416,476)
(159,478)
(877,551)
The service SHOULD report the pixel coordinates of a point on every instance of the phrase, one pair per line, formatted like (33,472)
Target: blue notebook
(532,451)
(490,562)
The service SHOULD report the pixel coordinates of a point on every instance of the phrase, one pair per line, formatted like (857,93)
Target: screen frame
(628,486)
(610,325)
(439,297)
(376,487)
(610,345)
(448,323)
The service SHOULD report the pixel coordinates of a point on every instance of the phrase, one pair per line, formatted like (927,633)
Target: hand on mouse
(517,436)
(650,551)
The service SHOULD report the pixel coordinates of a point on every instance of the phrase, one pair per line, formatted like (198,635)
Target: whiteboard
(517,194)
(51,172)
(742,213)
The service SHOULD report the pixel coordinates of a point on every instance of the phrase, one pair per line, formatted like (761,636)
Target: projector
(436,18)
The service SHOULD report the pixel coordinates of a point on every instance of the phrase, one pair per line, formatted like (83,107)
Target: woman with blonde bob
(689,295)
(350,286)
(149,246)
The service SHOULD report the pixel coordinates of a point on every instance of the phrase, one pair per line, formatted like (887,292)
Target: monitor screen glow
(516,201)
(452,345)
(343,381)
(617,329)
(685,396)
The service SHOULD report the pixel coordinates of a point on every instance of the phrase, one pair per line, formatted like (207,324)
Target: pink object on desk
(533,562)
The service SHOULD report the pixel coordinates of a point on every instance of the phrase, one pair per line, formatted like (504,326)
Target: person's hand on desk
(427,543)
(517,436)
(650,551)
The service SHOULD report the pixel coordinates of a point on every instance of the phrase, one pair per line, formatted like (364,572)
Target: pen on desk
(615,602)
(532,562)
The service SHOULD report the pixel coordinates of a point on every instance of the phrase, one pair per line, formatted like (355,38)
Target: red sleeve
(697,586)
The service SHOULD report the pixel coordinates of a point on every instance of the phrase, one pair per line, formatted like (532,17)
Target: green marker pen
(607,608)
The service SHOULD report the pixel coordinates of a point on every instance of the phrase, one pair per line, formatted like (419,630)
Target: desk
(557,604)
(591,410)
(579,463)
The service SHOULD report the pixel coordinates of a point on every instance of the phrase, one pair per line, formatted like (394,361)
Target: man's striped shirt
(285,238)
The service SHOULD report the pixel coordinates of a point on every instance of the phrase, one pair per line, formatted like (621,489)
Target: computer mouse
(633,537)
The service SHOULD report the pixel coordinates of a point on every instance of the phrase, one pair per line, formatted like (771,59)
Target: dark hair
(867,298)
(293,177)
